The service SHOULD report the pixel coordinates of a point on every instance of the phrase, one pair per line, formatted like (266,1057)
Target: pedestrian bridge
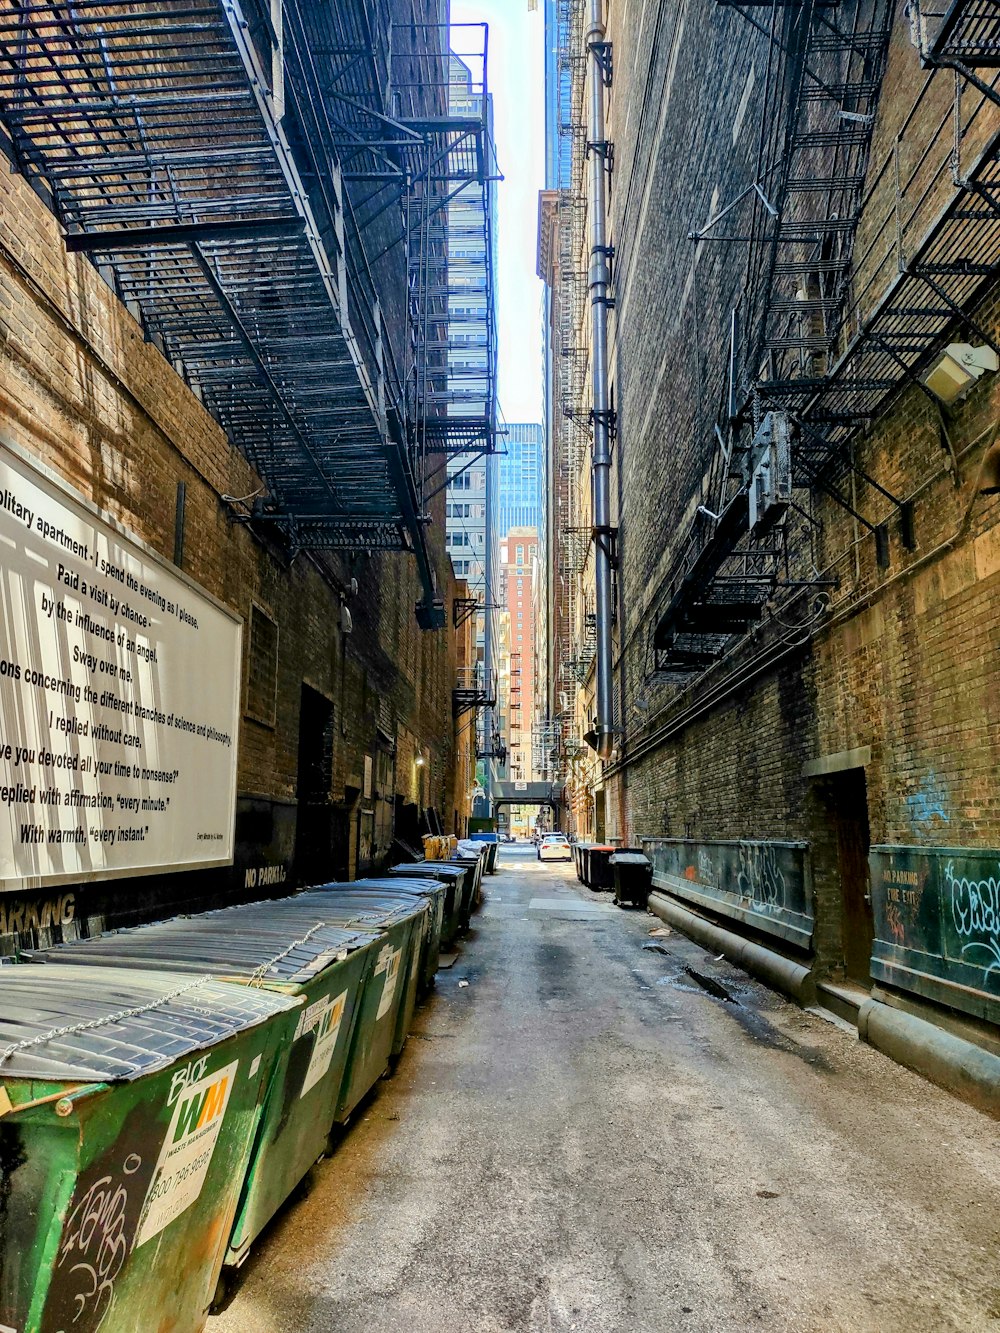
(526,793)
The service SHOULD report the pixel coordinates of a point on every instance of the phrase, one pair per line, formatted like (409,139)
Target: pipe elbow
(605,743)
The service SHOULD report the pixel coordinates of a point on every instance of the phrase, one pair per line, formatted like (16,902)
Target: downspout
(599,279)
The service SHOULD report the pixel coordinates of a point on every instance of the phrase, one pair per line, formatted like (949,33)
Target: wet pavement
(598,1129)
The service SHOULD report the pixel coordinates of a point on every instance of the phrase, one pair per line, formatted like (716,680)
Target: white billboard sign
(119,698)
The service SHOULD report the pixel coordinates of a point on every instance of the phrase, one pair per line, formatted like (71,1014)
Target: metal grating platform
(215,167)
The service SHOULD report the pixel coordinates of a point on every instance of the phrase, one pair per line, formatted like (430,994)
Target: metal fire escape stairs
(843,320)
(827,63)
(201,154)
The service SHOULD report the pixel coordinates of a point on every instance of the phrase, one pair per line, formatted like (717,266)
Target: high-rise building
(519,553)
(472,476)
(520,496)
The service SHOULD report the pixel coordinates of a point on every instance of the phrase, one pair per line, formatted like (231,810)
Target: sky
(517,81)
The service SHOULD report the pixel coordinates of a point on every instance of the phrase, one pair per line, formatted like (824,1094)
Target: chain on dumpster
(259,975)
(90,1024)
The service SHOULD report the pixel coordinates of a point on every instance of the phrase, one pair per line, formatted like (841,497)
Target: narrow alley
(597,1128)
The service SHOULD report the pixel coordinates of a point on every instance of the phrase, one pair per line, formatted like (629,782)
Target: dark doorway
(848,803)
(314,838)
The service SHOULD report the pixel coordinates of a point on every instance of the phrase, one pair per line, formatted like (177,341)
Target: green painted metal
(937,924)
(452,877)
(390,992)
(303,1104)
(119,1195)
(403,921)
(326,968)
(416,886)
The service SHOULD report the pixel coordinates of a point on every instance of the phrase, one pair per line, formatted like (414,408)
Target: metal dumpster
(129,1104)
(434,891)
(492,841)
(452,876)
(633,872)
(470,888)
(389,1000)
(326,965)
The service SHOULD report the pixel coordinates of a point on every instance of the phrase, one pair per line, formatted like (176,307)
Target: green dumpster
(129,1103)
(383,910)
(452,876)
(416,886)
(390,994)
(326,965)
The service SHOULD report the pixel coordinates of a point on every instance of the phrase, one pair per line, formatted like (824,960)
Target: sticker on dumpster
(388,962)
(324,1018)
(187,1151)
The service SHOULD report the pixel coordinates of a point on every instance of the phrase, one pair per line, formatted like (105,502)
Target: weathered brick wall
(82,392)
(906,660)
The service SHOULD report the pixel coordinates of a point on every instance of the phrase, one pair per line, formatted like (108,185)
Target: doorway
(847,794)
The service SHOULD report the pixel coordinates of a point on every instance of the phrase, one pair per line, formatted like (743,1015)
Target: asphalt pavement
(598,1129)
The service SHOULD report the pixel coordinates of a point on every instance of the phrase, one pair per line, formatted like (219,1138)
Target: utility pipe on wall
(599,279)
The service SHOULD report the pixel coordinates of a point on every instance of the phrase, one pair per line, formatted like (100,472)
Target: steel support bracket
(603,53)
(607,540)
(608,418)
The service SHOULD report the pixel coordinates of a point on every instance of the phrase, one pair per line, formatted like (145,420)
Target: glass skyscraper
(520,499)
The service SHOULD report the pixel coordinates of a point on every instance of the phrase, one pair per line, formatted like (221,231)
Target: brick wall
(905,660)
(82,392)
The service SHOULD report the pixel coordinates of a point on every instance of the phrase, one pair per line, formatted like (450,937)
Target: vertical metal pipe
(599,281)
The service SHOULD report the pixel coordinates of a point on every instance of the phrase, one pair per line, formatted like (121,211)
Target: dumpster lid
(400,884)
(335,904)
(630,859)
(423,870)
(101,1024)
(225,943)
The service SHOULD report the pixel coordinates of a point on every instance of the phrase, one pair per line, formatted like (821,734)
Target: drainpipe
(598,281)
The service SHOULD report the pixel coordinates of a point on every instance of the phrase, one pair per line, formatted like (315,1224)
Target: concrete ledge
(951,1062)
(772,968)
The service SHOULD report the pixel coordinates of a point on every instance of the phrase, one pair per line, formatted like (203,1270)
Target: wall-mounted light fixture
(419,761)
(957,370)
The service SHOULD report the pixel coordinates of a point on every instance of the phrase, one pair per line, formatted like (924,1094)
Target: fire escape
(865,271)
(259,184)
(474,688)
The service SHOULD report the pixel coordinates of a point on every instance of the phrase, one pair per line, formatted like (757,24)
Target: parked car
(554,847)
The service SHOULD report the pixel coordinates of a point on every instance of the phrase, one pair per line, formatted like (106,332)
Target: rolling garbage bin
(130,1101)
(585,862)
(448,873)
(601,877)
(327,966)
(633,872)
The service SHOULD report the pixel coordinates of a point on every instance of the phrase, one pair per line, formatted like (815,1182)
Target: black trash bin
(601,877)
(633,874)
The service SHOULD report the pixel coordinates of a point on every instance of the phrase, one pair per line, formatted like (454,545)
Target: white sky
(516,73)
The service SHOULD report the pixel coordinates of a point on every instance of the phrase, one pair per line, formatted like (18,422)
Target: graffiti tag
(760,878)
(94,1245)
(975,910)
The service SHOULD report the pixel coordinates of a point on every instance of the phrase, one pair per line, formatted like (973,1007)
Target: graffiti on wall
(975,914)
(928,805)
(765,884)
(760,879)
(937,923)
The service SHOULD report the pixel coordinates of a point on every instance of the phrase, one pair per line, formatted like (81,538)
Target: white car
(554,847)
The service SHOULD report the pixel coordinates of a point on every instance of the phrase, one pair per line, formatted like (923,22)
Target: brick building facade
(820,779)
(346,735)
